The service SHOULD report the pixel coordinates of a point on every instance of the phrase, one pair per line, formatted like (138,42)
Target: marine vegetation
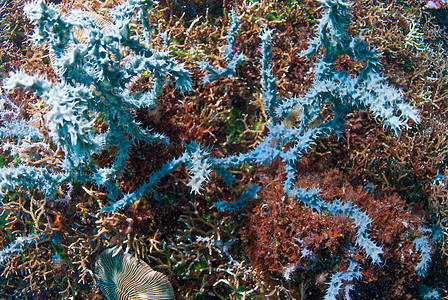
(287,149)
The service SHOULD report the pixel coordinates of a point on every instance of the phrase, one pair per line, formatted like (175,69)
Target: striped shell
(120,276)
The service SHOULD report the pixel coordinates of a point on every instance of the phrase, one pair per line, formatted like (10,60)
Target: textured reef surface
(233,149)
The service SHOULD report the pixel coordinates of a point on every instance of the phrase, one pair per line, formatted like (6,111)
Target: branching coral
(282,234)
(264,198)
(204,257)
(90,67)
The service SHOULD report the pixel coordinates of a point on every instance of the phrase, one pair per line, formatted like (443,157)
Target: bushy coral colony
(266,151)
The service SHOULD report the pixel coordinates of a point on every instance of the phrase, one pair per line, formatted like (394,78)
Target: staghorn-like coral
(284,235)
(88,55)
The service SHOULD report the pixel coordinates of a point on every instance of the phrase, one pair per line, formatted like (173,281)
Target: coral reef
(245,149)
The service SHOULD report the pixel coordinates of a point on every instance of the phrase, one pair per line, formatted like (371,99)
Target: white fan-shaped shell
(123,277)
